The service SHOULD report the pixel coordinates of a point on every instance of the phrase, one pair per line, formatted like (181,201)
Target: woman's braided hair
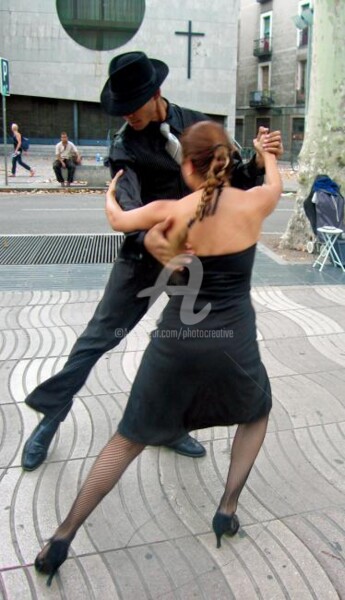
(208,147)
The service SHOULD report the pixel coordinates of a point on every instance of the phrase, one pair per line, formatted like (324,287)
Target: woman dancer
(209,373)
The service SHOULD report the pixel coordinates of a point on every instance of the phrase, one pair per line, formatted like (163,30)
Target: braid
(208,148)
(216,177)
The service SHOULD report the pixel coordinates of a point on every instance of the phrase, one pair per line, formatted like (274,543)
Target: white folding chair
(329,235)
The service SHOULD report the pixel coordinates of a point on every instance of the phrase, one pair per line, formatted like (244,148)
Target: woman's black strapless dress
(205,374)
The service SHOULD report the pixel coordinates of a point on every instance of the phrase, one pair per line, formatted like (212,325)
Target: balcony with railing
(300,96)
(263,47)
(261,99)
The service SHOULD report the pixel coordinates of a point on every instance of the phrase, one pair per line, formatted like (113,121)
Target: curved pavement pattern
(151,537)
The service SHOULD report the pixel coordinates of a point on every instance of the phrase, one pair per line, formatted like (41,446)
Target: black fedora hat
(133,80)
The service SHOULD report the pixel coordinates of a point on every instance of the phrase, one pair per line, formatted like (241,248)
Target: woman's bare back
(233,227)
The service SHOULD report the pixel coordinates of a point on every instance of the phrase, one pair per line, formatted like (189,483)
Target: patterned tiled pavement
(151,537)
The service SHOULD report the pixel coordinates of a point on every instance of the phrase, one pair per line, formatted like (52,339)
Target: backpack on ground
(25,143)
(325,205)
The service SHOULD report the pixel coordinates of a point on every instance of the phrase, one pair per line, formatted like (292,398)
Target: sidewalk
(151,537)
(44,178)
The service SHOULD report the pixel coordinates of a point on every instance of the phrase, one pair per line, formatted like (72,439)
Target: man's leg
(120,308)
(70,171)
(57,171)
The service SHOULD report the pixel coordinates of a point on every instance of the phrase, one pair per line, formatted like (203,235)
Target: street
(53,213)
(37,213)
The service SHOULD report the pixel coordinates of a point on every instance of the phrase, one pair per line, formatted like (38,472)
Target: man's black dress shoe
(36,447)
(188,447)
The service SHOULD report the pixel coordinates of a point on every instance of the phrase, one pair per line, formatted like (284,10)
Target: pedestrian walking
(18,151)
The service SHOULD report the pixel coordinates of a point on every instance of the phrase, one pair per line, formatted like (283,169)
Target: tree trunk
(323,150)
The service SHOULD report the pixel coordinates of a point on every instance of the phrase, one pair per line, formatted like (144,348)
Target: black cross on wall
(190,35)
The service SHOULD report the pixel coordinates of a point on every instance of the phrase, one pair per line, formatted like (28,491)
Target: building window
(301,74)
(266,25)
(263,45)
(239,131)
(262,122)
(298,129)
(264,77)
(101,24)
(302,36)
(301,82)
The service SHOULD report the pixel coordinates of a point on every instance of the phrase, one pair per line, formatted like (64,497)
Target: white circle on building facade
(101,24)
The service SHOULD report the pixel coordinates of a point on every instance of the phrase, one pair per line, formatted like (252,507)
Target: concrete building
(59,51)
(272,74)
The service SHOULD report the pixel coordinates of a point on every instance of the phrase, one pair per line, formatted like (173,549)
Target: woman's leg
(14,164)
(111,463)
(22,163)
(245,448)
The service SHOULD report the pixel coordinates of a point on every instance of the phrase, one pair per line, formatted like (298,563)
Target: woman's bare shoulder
(233,195)
(192,196)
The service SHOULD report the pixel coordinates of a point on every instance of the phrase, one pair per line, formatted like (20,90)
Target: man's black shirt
(149,171)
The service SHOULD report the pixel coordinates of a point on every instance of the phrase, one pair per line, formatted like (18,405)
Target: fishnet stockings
(105,473)
(245,448)
(120,452)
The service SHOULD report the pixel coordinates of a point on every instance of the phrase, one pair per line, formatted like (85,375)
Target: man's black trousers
(119,309)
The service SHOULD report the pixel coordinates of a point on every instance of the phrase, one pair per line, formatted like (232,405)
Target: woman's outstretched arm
(267,195)
(144,217)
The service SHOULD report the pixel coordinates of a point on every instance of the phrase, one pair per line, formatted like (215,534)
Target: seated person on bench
(67,157)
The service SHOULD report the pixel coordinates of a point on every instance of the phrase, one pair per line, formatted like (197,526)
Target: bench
(91,175)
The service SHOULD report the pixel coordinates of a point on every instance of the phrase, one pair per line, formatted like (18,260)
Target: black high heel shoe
(53,558)
(223,523)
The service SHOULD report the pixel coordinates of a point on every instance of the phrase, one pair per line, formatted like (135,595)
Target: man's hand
(271,142)
(258,144)
(156,242)
(112,184)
